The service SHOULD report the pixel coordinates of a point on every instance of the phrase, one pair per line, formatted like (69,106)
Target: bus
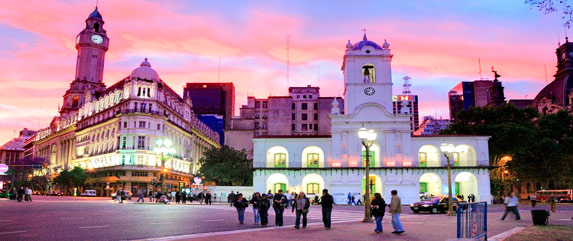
(565,195)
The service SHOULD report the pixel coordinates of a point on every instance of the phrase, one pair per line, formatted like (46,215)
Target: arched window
(96,27)
(75,101)
(369,73)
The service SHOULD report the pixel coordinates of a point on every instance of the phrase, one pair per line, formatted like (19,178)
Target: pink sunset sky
(436,43)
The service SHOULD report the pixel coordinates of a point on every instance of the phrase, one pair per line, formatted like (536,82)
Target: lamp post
(367,137)
(448,151)
(164,151)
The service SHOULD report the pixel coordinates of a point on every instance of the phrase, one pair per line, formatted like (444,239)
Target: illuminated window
(370,158)
(312,188)
(369,73)
(312,159)
(280,160)
(423,159)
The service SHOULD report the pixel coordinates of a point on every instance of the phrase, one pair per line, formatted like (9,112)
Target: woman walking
(241,204)
(378,207)
(256,200)
(301,205)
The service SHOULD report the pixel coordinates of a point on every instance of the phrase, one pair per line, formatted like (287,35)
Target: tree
(75,178)
(551,6)
(227,166)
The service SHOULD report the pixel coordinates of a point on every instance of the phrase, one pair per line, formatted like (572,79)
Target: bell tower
(367,75)
(91,43)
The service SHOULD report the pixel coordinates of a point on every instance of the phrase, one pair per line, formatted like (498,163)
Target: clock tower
(367,75)
(91,43)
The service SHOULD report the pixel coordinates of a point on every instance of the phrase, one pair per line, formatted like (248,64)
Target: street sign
(197,180)
(3,167)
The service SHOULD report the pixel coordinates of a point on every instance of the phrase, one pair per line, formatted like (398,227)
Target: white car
(89,193)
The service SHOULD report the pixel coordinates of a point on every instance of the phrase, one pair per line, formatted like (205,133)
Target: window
(135,106)
(150,105)
(310,126)
(293,116)
(369,73)
(304,106)
(315,127)
(280,160)
(264,104)
(293,106)
(312,160)
(139,174)
(123,144)
(148,93)
(142,124)
(370,158)
(158,127)
(257,104)
(139,91)
(304,117)
(119,127)
(139,160)
(293,127)
(125,124)
(143,91)
(456,159)
(142,107)
(310,96)
(75,101)
(315,116)
(315,106)
(304,96)
(423,158)
(141,142)
(312,188)
(304,127)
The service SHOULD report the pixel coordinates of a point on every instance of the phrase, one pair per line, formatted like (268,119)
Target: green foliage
(227,166)
(72,178)
(540,147)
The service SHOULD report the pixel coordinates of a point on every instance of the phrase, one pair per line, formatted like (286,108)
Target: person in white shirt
(511,206)
(533,200)
(28,194)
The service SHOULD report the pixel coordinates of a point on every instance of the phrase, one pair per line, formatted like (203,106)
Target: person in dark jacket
(241,204)
(208,198)
(150,196)
(231,198)
(177,197)
(301,204)
(378,207)
(264,205)
(255,200)
(326,201)
(21,193)
(279,202)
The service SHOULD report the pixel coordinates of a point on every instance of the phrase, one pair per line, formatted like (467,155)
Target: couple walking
(378,207)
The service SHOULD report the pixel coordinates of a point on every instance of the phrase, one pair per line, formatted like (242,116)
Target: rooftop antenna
(406,85)
(545,73)
(479,62)
(288,61)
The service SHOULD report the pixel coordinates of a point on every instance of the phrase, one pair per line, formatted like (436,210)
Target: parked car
(89,193)
(128,196)
(434,205)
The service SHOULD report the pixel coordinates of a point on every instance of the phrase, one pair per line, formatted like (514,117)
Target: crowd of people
(19,194)
(300,205)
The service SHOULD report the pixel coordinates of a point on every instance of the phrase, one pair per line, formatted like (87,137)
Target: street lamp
(164,151)
(367,137)
(448,151)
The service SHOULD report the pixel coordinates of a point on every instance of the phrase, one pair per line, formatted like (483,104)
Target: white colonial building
(410,164)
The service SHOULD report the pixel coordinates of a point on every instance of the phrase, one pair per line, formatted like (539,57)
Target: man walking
(511,206)
(231,198)
(279,202)
(326,202)
(28,194)
(395,210)
(533,200)
(208,198)
(141,196)
(150,196)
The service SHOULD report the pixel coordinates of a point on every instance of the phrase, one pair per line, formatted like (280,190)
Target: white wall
(223,191)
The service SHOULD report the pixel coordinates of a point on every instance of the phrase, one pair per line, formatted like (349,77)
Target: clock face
(369,91)
(97,39)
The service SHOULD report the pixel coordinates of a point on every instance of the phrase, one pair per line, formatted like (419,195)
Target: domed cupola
(145,72)
(95,14)
(365,42)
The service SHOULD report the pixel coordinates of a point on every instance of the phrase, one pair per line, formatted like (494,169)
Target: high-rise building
(302,112)
(214,100)
(469,94)
(431,126)
(412,101)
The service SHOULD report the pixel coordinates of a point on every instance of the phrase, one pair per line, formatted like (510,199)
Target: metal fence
(472,220)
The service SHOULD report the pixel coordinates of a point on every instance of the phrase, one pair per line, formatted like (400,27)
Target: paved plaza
(69,218)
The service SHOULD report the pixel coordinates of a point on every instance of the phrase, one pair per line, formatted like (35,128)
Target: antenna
(545,73)
(479,62)
(406,85)
(288,60)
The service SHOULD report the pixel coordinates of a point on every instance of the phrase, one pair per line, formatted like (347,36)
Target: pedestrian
(352,201)
(378,207)
(231,198)
(150,195)
(270,195)
(177,197)
(256,200)
(264,206)
(208,198)
(21,194)
(533,200)
(360,197)
(157,196)
(395,210)
(215,197)
(316,199)
(119,195)
(279,202)
(184,197)
(349,198)
(553,201)
(141,196)
(200,197)
(326,202)
(241,204)
(28,194)
(173,195)
(511,206)
(301,204)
